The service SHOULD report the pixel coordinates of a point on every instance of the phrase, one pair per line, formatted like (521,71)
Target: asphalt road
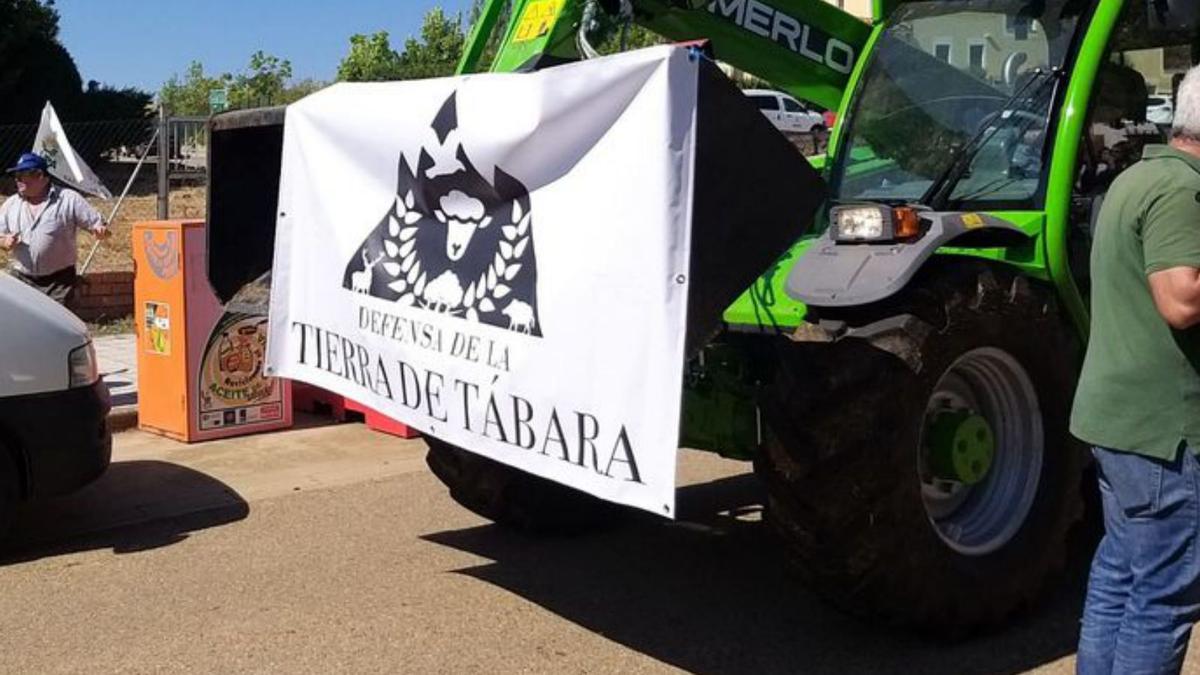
(334,549)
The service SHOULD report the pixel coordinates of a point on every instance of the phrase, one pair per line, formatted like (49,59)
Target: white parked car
(1160,110)
(54,435)
(785,112)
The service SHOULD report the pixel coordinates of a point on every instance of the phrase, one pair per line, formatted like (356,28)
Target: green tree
(298,90)
(34,66)
(371,59)
(103,102)
(189,95)
(435,53)
(608,38)
(263,83)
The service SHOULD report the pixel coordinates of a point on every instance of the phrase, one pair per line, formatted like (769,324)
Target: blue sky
(141,42)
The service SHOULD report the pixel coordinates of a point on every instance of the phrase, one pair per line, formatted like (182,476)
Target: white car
(54,435)
(785,112)
(1160,110)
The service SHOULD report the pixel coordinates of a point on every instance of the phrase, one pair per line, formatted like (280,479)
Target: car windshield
(959,93)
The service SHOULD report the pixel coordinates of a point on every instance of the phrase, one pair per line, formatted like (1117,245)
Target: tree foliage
(189,95)
(262,83)
(371,59)
(434,53)
(34,67)
(103,102)
(265,81)
(607,37)
(298,90)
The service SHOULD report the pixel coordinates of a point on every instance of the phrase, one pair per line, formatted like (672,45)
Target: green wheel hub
(961,446)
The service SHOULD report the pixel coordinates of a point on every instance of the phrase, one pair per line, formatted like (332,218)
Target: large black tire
(844,425)
(515,499)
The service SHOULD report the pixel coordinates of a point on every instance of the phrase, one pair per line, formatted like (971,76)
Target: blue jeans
(1144,590)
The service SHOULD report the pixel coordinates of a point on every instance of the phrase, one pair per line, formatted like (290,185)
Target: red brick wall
(104,295)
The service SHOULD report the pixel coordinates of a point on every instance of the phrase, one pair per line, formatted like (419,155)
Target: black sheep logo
(452,241)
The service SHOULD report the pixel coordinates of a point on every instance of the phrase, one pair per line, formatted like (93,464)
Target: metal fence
(114,146)
(183,141)
(96,142)
(187,146)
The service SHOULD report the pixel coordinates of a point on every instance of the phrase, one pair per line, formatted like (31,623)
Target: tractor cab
(993,129)
(953,109)
(947,143)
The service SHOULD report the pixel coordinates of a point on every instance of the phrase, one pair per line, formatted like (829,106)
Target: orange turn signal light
(905,223)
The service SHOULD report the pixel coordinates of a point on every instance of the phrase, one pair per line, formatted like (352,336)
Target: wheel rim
(981,514)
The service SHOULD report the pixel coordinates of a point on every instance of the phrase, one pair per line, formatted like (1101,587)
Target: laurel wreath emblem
(482,294)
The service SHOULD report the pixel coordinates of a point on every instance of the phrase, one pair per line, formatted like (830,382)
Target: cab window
(1132,106)
(765,102)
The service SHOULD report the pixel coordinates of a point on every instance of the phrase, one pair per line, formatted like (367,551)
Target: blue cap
(29,162)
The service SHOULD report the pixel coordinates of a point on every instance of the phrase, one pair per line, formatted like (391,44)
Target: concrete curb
(122,418)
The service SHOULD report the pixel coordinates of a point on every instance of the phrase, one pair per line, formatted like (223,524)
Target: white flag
(52,144)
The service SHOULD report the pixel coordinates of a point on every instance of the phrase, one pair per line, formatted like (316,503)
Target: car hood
(36,336)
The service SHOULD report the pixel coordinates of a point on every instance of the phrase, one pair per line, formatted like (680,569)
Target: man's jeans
(1144,590)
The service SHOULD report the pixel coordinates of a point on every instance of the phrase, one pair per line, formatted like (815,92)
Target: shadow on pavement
(134,506)
(711,593)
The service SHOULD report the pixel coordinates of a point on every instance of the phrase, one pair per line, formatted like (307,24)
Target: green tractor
(902,377)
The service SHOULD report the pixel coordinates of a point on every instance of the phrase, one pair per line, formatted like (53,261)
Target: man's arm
(87,217)
(1171,251)
(1176,292)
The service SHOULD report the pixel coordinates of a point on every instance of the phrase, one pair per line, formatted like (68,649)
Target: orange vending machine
(200,368)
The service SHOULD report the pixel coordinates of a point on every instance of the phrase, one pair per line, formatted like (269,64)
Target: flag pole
(117,207)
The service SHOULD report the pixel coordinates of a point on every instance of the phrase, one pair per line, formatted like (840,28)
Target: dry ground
(115,253)
(333,549)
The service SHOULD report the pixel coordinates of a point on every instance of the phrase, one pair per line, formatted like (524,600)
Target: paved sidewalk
(117,358)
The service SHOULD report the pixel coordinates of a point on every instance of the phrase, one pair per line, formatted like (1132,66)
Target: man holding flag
(38,226)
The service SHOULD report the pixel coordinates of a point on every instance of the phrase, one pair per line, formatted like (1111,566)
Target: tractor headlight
(859,223)
(874,223)
(81,366)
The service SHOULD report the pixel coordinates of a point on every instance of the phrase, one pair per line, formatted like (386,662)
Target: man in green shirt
(1138,405)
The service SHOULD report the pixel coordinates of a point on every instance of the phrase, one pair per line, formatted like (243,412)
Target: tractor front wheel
(932,482)
(513,498)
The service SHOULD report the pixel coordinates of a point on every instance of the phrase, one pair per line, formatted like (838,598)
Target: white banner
(500,261)
(64,164)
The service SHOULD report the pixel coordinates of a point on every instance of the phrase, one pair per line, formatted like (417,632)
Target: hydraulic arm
(805,47)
